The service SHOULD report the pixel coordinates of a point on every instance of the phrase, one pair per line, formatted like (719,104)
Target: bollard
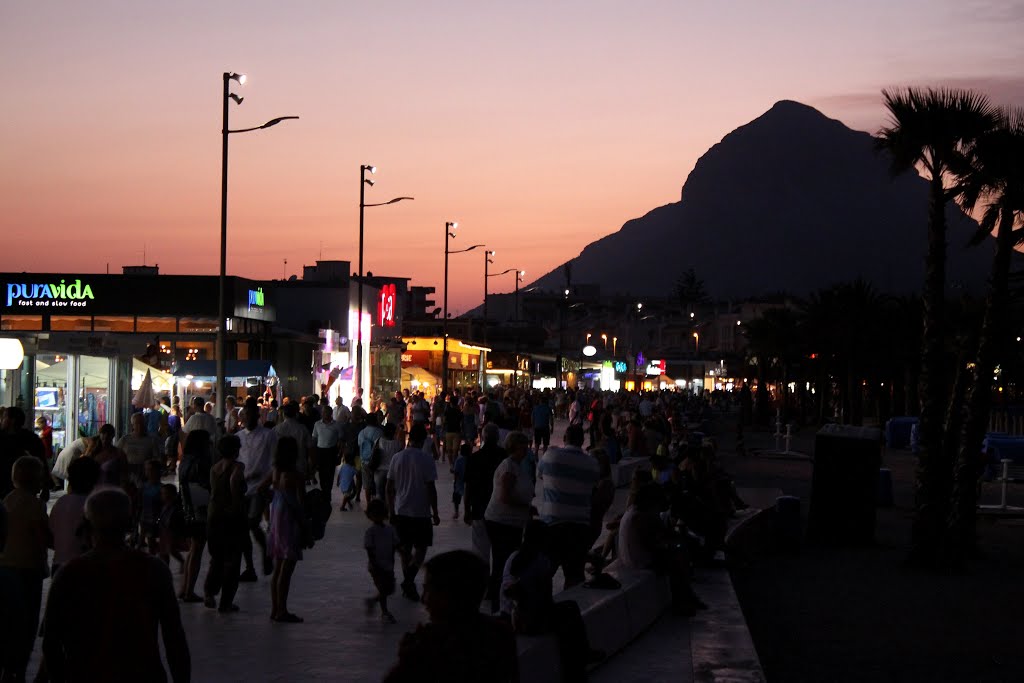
(885,497)
(787,523)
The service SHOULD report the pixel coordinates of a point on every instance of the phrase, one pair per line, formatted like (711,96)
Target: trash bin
(844,487)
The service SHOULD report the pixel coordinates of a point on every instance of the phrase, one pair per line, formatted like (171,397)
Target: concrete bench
(613,618)
(622,471)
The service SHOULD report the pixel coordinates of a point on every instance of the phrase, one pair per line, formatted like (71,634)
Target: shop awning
(419,375)
(206,370)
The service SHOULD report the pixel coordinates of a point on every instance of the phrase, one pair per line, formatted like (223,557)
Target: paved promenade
(339,641)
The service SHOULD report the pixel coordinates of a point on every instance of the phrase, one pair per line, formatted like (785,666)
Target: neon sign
(620,366)
(386,306)
(62,294)
(656,367)
(256,298)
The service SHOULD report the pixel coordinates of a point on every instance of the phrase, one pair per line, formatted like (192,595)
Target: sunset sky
(539,126)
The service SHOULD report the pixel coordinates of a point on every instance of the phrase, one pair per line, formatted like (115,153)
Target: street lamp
(519,276)
(357,370)
(615,343)
(487,262)
(604,338)
(449,233)
(696,343)
(227,96)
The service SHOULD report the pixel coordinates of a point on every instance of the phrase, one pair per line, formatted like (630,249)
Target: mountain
(793,201)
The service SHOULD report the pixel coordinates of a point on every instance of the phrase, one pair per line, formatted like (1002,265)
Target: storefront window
(198,325)
(21,322)
(50,404)
(93,394)
(114,324)
(144,324)
(193,350)
(71,323)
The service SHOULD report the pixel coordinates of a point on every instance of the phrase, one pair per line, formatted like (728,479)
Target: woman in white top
(508,511)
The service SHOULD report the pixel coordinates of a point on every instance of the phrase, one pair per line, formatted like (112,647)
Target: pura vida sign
(256,298)
(49,295)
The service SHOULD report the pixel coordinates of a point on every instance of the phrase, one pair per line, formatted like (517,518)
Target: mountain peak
(791,201)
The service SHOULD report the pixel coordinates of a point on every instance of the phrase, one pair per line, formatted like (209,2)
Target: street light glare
(241,79)
(371,169)
(454,224)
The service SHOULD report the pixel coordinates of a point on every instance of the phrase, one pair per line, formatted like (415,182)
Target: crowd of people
(254,493)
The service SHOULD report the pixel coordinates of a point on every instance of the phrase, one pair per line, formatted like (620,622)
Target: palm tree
(931,130)
(995,180)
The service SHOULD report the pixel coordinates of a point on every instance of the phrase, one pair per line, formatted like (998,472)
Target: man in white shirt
(200,419)
(412,502)
(341,412)
(138,446)
(257,457)
(327,440)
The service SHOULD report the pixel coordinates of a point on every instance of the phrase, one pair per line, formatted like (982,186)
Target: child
(171,526)
(149,512)
(347,480)
(459,480)
(381,542)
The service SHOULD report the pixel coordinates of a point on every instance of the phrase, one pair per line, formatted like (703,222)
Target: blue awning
(206,370)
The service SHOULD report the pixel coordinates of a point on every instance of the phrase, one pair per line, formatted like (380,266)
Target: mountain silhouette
(791,202)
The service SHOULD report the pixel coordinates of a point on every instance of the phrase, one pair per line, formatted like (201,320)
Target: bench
(613,618)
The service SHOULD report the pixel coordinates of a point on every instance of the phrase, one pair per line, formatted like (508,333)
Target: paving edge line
(720,643)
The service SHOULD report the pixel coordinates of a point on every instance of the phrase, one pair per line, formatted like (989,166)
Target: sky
(538,126)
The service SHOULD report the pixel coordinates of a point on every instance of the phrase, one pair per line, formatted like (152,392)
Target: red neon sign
(386,306)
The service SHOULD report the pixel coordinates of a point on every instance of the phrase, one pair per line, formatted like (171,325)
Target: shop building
(89,340)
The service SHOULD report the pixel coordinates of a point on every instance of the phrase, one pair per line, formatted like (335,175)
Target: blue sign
(620,366)
(640,360)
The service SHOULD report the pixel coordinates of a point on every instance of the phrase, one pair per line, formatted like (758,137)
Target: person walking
(106,608)
(480,467)
(412,503)
(568,476)
(226,530)
(508,510)
(22,567)
(194,483)
(366,440)
(290,426)
(327,440)
(287,527)
(256,456)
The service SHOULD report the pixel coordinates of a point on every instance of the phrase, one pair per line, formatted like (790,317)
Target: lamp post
(449,233)
(218,389)
(357,370)
(487,262)
(519,275)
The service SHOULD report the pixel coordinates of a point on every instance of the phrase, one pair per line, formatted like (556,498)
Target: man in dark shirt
(459,643)
(480,467)
(107,607)
(16,441)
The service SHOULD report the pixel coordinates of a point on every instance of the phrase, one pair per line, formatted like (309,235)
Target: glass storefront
(73,392)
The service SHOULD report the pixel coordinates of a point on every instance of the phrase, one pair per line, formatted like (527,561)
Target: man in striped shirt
(568,475)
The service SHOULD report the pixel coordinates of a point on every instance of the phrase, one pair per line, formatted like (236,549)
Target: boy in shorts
(381,543)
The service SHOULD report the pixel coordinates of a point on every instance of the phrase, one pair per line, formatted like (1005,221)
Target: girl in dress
(287,522)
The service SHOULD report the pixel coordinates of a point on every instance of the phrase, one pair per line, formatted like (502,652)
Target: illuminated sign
(589,350)
(386,306)
(406,357)
(656,367)
(620,366)
(256,298)
(640,360)
(53,295)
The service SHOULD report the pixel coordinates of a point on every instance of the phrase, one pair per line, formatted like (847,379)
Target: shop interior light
(12,353)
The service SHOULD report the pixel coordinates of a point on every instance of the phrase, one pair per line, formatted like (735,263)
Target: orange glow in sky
(539,126)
